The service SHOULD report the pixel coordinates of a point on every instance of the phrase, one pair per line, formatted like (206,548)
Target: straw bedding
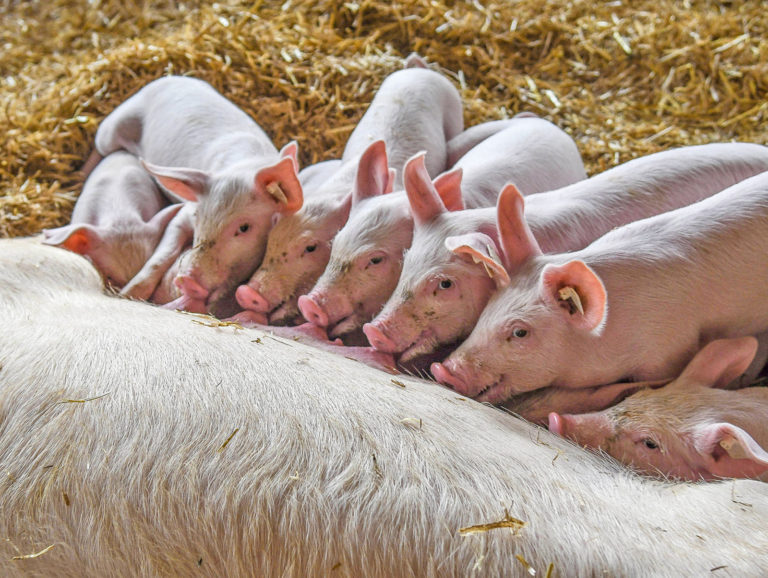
(623,78)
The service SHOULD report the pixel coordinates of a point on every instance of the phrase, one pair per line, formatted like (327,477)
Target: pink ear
(422,195)
(517,241)
(448,186)
(373,178)
(578,290)
(730,452)
(480,248)
(80,239)
(291,150)
(281,182)
(186,184)
(719,362)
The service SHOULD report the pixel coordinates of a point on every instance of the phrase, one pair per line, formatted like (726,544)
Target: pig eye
(446,284)
(518,333)
(376,260)
(650,444)
(310,248)
(244,228)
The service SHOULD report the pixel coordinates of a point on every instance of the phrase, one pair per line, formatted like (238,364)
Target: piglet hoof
(249,319)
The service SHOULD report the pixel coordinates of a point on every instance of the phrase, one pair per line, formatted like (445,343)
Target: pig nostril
(312,311)
(250,298)
(378,339)
(191,287)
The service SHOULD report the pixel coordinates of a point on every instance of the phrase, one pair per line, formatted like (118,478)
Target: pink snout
(378,339)
(313,311)
(250,298)
(190,287)
(444,376)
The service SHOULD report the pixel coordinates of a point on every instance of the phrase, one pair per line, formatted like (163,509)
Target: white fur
(330,471)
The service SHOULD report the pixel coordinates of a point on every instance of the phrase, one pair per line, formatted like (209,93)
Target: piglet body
(118,219)
(634,305)
(202,148)
(415,109)
(689,429)
(445,281)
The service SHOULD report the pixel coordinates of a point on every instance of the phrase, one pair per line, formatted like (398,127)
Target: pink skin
(562,220)
(118,219)
(297,252)
(155,281)
(657,272)
(366,256)
(689,429)
(442,289)
(414,109)
(201,148)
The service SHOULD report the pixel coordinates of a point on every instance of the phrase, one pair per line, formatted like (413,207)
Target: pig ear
(578,291)
(422,194)
(281,183)
(291,150)
(373,176)
(719,362)
(730,452)
(480,248)
(517,241)
(184,184)
(80,239)
(448,186)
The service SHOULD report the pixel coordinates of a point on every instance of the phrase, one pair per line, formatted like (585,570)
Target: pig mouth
(495,392)
(424,344)
(285,313)
(345,325)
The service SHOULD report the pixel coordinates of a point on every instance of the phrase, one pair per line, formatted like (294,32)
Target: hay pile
(625,78)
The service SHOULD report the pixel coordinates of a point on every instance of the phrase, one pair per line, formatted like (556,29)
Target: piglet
(414,109)
(366,258)
(635,305)
(118,219)
(454,262)
(689,429)
(202,148)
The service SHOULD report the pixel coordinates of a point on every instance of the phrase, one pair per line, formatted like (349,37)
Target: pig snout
(378,339)
(313,311)
(442,373)
(190,287)
(248,297)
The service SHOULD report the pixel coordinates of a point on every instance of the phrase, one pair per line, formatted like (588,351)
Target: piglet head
(232,221)
(681,430)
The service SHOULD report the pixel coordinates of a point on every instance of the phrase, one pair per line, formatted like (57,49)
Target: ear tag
(733,448)
(274,189)
(569,296)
